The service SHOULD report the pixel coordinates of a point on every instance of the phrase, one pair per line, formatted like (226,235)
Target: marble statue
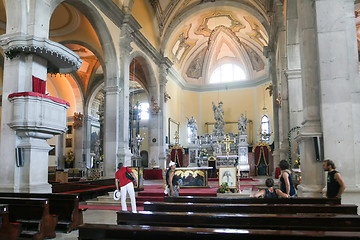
(242,125)
(219,119)
(193,128)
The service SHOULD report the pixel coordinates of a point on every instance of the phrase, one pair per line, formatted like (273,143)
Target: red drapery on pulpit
(176,155)
(39,85)
(262,153)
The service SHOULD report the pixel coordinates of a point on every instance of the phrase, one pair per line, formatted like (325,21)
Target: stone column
(293,72)
(111,127)
(78,147)
(124,153)
(312,173)
(340,90)
(278,63)
(28,120)
(163,121)
(86,139)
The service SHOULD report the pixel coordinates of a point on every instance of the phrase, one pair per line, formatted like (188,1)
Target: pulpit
(177,154)
(262,159)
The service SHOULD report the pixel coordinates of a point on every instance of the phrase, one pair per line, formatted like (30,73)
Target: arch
(111,68)
(152,82)
(92,80)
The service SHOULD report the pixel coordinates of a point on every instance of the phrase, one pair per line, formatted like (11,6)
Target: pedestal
(243,159)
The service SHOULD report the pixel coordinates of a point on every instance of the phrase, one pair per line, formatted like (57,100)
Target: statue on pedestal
(242,125)
(193,128)
(219,119)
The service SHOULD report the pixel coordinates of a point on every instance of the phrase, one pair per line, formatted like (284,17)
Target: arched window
(144,110)
(228,72)
(265,128)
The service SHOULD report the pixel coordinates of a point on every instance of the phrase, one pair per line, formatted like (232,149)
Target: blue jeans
(176,190)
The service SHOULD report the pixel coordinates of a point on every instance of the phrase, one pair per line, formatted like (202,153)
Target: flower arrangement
(224,188)
(203,153)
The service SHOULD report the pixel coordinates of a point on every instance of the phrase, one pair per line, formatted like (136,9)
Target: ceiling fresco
(199,41)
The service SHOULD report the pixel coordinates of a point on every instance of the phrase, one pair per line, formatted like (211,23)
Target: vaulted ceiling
(199,35)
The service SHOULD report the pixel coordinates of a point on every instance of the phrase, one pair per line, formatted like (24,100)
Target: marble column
(312,173)
(111,127)
(164,67)
(339,90)
(124,153)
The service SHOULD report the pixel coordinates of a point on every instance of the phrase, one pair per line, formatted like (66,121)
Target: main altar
(218,149)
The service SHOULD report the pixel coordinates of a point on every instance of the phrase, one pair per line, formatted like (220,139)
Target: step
(150,199)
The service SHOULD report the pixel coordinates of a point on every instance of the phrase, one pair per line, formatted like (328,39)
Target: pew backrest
(233,200)
(253,221)
(251,208)
(108,231)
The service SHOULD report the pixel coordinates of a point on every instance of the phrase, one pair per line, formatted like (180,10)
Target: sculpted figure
(242,125)
(193,127)
(219,119)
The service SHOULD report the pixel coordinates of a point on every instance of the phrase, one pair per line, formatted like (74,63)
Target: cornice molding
(111,10)
(60,58)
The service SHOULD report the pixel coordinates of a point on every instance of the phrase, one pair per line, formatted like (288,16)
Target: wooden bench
(107,231)
(85,191)
(8,231)
(64,206)
(250,208)
(33,215)
(239,221)
(233,200)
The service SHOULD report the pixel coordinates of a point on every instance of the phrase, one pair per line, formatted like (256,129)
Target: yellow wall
(250,102)
(141,13)
(235,102)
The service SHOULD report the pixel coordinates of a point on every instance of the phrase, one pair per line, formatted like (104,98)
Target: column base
(310,190)
(35,188)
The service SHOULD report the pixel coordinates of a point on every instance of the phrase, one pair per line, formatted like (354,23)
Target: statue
(242,125)
(193,128)
(219,118)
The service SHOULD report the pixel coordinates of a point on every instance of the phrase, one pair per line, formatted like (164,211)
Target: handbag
(129,176)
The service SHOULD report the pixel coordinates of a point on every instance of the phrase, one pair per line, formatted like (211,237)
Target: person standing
(335,183)
(172,180)
(286,185)
(126,186)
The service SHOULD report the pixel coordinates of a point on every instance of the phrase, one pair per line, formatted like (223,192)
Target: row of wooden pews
(9,231)
(241,218)
(41,214)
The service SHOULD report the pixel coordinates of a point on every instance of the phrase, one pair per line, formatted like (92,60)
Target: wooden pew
(8,231)
(107,231)
(233,200)
(85,191)
(64,206)
(32,213)
(311,222)
(250,208)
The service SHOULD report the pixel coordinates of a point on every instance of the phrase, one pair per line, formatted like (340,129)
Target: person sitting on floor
(270,191)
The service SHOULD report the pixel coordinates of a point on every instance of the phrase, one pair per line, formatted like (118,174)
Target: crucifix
(176,137)
(227,142)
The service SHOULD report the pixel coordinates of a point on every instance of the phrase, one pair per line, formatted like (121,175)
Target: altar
(193,176)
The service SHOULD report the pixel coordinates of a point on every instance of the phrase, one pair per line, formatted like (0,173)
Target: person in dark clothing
(270,191)
(286,185)
(172,181)
(335,183)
